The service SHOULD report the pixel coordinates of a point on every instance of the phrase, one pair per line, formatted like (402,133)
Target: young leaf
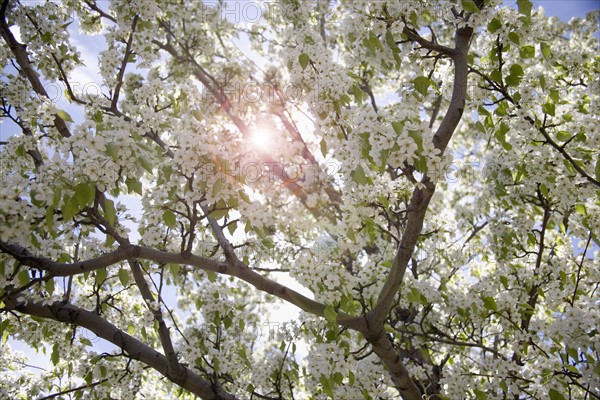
(101,275)
(133,185)
(55,356)
(563,136)
(494,25)
(555,395)
(123,276)
(112,149)
(490,303)
(330,314)
(84,193)
(169,218)
(545,48)
(549,108)
(422,84)
(359,175)
(527,51)
(525,7)
(64,116)
(303,59)
(109,211)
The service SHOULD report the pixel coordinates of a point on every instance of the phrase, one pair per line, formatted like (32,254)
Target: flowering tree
(428,171)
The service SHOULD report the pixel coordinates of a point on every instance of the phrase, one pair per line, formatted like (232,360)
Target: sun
(262,138)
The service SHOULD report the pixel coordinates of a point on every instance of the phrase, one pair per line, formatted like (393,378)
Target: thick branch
(421,197)
(20,53)
(382,346)
(176,370)
(412,35)
(239,270)
(414,224)
(121,74)
(69,313)
(459,90)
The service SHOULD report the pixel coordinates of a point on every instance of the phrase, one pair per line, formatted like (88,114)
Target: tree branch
(238,270)
(71,314)
(176,370)
(421,197)
(20,53)
(121,73)
(414,36)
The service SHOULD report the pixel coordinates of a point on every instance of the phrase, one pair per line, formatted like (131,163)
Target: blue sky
(564,9)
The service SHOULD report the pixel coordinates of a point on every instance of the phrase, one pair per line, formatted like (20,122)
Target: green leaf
(217,187)
(494,25)
(174,268)
(422,84)
(326,386)
(500,134)
(46,37)
(391,42)
(417,136)
(23,277)
(357,92)
(517,70)
(169,218)
(490,303)
(527,51)
(338,378)
(55,356)
(496,76)
(133,185)
(469,5)
(563,136)
(330,314)
(109,211)
(197,115)
(516,74)
(101,275)
(556,395)
(49,217)
(398,127)
(97,117)
(84,193)
(479,395)
(359,175)
(598,169)
(70,208)
(303,59)
(123,276)
(549,108)
(146,164)
(514,37)
(525,7)
(50,286)
(323,146)
(212,276)
(131,329)
(545,48)
(232,227)
(219,213)
(542,80)
(62,114)
(112,149)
